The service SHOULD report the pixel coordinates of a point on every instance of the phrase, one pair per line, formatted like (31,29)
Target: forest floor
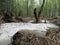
(8,30)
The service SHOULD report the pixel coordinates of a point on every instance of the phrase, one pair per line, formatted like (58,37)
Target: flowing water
(9,29)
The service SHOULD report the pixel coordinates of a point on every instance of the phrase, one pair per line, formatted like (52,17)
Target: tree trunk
(41,9)
(37,17)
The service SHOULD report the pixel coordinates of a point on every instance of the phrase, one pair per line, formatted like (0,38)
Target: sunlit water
(9,29)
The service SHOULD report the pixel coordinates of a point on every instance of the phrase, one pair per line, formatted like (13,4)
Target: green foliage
(26,7)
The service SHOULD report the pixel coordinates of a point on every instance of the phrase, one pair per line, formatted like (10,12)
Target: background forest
(29,22)
(26,7)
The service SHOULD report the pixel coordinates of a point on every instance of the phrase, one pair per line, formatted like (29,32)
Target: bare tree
(37,16)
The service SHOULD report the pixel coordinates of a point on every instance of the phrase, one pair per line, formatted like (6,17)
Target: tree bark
(41,9)
(37,17)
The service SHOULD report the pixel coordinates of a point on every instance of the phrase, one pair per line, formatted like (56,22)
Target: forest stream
(7,30)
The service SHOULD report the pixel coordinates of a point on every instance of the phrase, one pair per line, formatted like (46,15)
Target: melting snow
(9,29)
